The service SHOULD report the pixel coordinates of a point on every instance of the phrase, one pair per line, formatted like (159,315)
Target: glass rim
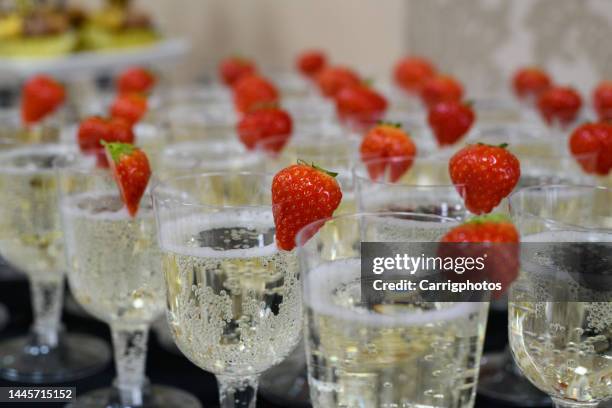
(61,150)
(158,183)
(514,196)
(301,238)
(361,165)
(69,164)
(304,136)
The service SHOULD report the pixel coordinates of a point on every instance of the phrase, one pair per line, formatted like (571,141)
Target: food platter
(86,64)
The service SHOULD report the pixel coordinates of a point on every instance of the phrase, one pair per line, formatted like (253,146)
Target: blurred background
(480,41)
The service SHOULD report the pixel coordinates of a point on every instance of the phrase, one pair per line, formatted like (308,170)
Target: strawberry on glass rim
(492,237)
(131,171)
(559,105)
(441,88)
(487,174)
(450,121)
(265,124)
(232,69)
(360,105)
(591,146)
(602,100)
(301,194)
(129,106)
(254,91)
(136,80)
(529,82)
(411,73)
(387,141)
(309,63)
(41,96)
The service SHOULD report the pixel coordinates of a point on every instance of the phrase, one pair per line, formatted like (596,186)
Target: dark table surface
(164,367)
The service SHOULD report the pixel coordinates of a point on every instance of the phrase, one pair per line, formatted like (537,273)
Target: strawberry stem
(116,150)
(314,166)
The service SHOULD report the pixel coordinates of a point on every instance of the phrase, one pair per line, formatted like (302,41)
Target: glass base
(286,384)
(158,396)
(4,316)
(499,382)
(77,356)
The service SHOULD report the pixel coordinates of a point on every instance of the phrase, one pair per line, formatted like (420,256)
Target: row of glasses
(235,307)
(114,272)
(31,241)
(386,231)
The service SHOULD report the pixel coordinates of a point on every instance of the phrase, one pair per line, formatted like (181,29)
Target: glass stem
(130,349)
(568,404)
(47,299)
(237,392)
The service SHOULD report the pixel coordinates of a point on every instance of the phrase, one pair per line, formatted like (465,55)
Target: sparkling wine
(30,236)
(413,354)
(114,262)
(563,347)
(234,303)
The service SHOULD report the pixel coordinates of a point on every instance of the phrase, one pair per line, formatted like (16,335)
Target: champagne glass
(416,192)
(559,308)
(365,352)
(114,272)
(31,241)
(542,162)
(233,298)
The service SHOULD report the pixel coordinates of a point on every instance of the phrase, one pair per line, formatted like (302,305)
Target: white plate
(87,64)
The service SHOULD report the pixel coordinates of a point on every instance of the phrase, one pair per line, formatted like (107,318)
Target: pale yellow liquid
(564,348)
(237,311)
(114,262)
(359,360)
(30,235)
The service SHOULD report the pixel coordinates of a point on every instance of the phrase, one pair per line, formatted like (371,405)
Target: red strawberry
(253,91)
(602,100)
(233,68)
(302,194)
(559,105)
(450,121)
(441,88)
(95,129)
(41,96)
(331,80)
(486,174)
(130,106)
(387,141)
(136,80)
(360,104)
(131,170)
(272,124)
(591,145)
(500,248)
(311,62)
(412,72)
(530,82)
